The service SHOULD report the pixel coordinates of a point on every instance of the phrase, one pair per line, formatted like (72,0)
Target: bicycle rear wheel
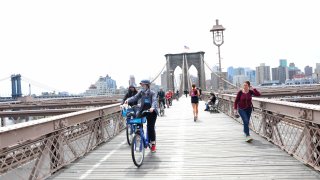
(161,110)
(137,150)
(129,133)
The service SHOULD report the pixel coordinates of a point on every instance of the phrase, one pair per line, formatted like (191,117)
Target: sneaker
(248,139)
(153,148)
(194,119)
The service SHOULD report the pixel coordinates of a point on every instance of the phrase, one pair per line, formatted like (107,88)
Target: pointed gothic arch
(185,60)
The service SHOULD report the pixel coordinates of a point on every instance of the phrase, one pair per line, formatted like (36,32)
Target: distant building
(239,79)
(194,80)
(317,72)
(317,69)
(164,80)
(251,76)
(238,71)
(262,73)
(132,81)
(275,74)
(283,74)
(215,81)
(292,70)
(308,71)
(283,63)
(230,72)
(105,86)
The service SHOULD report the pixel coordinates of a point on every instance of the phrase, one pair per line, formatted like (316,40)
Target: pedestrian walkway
(214,147)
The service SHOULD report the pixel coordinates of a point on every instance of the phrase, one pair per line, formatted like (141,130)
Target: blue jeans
(245,116)
(207,107)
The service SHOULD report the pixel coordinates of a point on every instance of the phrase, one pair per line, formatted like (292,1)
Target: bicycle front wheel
(161,110)
(137,150)
(129,133)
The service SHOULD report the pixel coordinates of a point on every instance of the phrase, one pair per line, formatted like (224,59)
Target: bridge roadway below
(211,148)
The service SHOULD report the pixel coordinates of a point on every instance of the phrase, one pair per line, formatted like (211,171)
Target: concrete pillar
(168,73)
(202,77)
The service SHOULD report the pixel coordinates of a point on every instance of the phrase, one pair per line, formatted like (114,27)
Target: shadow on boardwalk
(211,148)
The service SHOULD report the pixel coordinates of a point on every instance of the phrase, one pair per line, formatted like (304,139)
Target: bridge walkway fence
(294,127)
(214,147)
(37,149)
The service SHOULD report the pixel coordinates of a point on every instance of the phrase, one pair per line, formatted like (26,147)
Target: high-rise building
(238,80)
(230,72)
(215,81)
(262,73)
(251,76)
(164,80)
(275,74)
(292,70)
(283,74)
(104,86)
(317,69)
(317,72)
(132,81)
(283,63)
(308,71)
(238,71)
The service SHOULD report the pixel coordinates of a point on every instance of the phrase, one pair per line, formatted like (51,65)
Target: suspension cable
(226,81)
(38,84)
(159,73)
(3,79)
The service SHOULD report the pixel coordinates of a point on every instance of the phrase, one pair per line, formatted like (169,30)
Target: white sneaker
(248,138)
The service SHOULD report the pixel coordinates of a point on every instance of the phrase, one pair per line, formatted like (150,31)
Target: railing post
(2,122)
(313,144)
(56,156)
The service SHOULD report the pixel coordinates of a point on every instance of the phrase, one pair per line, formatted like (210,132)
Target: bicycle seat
(145,113)
(131,114)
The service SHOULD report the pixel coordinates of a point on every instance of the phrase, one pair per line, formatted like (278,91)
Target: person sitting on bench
(211,101)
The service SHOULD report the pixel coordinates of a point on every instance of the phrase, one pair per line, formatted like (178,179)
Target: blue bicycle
(140,140)
(128,113)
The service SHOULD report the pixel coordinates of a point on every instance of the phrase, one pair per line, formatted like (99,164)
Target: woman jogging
(194,93)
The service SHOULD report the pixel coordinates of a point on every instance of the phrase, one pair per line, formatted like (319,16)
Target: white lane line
(101,160)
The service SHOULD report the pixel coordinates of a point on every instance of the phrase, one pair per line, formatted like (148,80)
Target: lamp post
(218,40)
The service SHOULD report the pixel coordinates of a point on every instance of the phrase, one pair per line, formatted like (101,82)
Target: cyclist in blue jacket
(148,102)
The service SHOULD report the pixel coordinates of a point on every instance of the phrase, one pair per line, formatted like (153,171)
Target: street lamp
(218,40)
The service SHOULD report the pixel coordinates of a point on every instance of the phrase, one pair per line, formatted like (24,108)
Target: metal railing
(294,127)
(37,149)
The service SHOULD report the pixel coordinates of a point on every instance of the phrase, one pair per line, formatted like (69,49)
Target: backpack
(194,93)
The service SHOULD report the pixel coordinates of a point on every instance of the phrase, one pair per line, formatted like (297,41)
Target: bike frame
(144,136)
(132,127)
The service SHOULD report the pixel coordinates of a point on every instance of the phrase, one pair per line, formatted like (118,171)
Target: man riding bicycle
(161,97)
(148,102)
(168,98)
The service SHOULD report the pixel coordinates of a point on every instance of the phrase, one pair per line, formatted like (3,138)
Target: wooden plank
(212,148)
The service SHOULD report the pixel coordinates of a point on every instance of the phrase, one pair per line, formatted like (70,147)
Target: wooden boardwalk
(212,148)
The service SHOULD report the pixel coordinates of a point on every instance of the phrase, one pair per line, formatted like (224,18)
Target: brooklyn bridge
(85,137)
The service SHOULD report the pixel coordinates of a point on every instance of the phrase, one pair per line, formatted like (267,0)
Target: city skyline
(46,88)
(70,49)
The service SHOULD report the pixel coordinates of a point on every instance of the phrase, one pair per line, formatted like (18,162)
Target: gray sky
(67,45)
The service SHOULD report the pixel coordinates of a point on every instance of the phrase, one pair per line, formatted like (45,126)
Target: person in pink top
(243,105)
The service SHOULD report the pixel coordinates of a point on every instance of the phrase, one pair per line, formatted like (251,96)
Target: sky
(66,45)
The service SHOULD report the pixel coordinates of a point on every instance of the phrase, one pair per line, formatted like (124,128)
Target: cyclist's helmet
(145,81)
